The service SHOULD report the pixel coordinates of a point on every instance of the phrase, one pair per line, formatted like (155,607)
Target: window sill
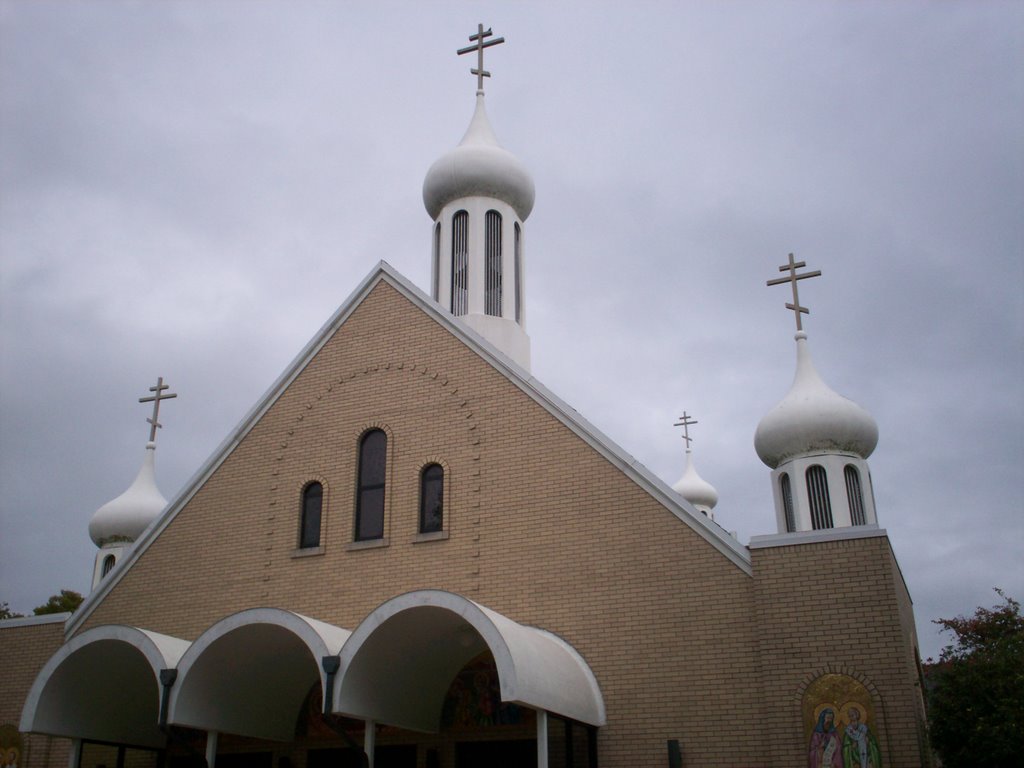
(307,552)
(369,544)
(419,538)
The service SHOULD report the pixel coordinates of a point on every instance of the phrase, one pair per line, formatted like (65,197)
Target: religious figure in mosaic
(840,720)
(826,750)
(10,746)
(860,748)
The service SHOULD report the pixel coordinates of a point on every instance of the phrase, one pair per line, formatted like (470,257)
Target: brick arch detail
(416,370)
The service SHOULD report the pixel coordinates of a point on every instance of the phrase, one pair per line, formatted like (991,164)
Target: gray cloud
(190,189)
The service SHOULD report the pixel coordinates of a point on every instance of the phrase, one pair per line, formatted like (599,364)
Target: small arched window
(373,449)
(108,565)
(817,494)
(492,292)
(312,509)
(460,263)
(855,495)
(432,498)
(786,488)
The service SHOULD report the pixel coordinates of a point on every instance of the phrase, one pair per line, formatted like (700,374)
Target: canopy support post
(75,756)
(370,741)
(211,748)
(542,738)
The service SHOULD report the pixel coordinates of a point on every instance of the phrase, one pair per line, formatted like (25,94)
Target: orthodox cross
(685,421)
(480,72)
(155,399)
(792,267)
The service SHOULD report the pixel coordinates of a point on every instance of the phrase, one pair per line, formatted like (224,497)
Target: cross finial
(686,421)
(479,71)
(154,423)
(792,267)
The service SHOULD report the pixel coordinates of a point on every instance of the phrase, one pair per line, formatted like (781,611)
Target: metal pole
(542,739)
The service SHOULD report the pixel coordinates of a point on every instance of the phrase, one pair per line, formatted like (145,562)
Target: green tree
(975,699)
(7,613)
(67,601)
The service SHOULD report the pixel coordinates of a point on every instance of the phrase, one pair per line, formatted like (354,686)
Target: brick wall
(542,528)
(25,646)
(836,607)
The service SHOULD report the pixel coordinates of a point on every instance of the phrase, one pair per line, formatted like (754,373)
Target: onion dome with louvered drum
(127,516)
(812,418)
(479,166)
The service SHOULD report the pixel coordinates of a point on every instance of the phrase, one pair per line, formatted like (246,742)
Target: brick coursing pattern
(23,652)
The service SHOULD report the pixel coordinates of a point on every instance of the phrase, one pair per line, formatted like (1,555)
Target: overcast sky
(189,189)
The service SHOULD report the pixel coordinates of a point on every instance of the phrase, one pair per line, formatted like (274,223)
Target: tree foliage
(975,699)
(67,601)
(7,613)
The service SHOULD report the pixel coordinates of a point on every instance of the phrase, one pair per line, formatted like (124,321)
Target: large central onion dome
(127,516)
(479,166)
(813,418)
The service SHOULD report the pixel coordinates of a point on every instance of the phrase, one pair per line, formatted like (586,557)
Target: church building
(411,554)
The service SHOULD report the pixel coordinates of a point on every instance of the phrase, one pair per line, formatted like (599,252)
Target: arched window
(855,495)
(519,272)
(817,494)
(108,565)
(373,449)
(492,292)
(432,498)
(787,501)
(460,263)
(312,508)
(437,261)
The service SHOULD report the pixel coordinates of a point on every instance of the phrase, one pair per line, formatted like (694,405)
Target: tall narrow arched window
(786,488)
(432,498)
(817,494)
(108,565)
(855,495)
(373,449)
(312,509)
(518,254)
(492,253)
(437,261)
(460,263)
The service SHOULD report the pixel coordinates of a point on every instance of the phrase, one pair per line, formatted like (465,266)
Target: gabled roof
(518,376)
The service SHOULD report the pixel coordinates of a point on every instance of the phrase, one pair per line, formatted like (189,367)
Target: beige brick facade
(25,646)
(541,526)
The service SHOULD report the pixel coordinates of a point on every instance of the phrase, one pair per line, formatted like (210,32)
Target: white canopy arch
(250,672)
(397,666)
(103,685)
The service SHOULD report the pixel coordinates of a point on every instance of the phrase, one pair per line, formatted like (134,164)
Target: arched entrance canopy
(397,666)
(250,672)
(103,685)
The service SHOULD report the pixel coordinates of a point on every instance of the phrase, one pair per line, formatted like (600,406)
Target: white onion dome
(127,516)
(695,489)
(813,418)
(479,166)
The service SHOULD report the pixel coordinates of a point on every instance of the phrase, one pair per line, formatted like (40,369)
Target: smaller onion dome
(812,418)
(696,489)
(479,166)
(127,516)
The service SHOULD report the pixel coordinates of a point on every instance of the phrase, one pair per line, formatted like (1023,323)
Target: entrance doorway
(521,753)
(391,756)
